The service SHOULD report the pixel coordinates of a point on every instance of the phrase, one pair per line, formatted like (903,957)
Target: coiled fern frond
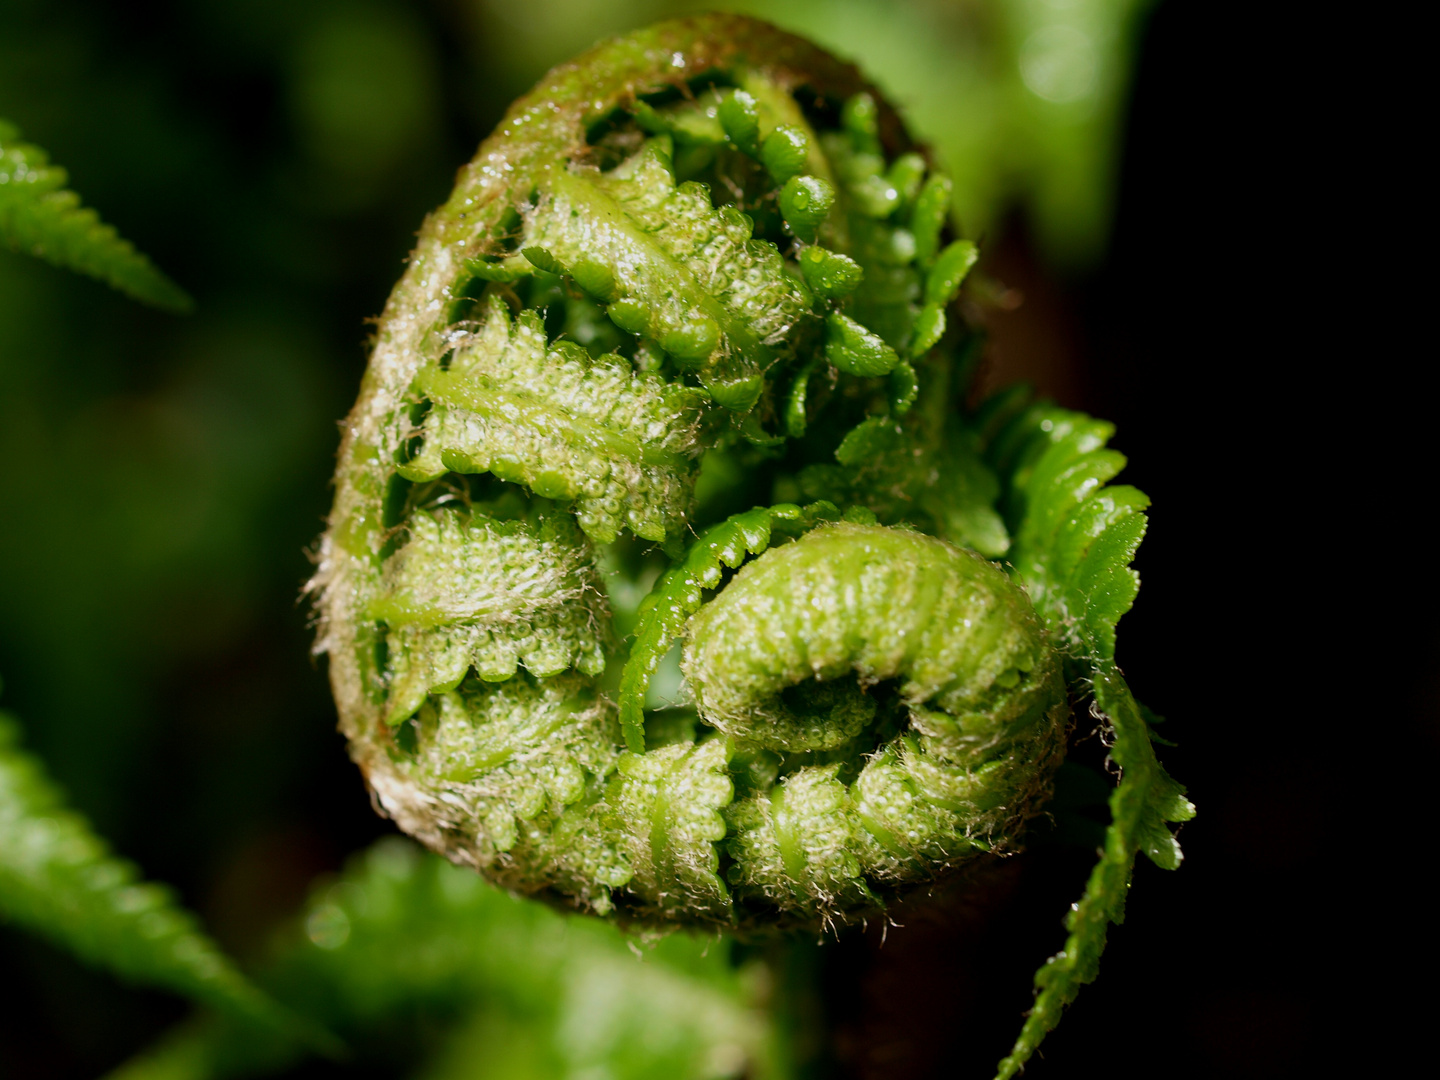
(701,268)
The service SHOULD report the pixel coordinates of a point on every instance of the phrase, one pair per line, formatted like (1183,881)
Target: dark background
(164,478)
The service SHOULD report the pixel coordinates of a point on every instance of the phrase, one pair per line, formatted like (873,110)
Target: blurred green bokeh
(165,475)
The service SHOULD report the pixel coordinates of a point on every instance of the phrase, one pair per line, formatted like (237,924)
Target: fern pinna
(40,216)
(701,268)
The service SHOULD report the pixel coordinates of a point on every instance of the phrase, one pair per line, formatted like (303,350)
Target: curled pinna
(704,268)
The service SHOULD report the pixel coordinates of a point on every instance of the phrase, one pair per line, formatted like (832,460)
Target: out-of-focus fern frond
(39,216)
(1074,540)
(58,879)
(406,947)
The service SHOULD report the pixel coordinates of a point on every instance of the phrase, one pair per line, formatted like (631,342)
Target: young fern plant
(700,268)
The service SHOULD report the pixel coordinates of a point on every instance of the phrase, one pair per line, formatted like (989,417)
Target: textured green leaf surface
(406,950)
(693,269)
(496,593)
(40,216)
(780,662)
(679,594)
(621,443)
(58,879)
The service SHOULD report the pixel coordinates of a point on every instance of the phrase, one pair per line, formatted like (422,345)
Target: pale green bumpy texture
(703,268)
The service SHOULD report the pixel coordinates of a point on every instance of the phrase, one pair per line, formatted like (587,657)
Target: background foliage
(165,475)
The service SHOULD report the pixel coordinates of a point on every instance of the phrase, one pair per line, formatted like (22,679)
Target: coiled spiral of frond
(700,268)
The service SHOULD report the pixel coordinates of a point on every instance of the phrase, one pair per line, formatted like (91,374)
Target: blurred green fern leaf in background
(58,879)
(40,216)
(408,955)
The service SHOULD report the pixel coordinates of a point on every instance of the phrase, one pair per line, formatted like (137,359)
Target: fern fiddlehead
(700,266)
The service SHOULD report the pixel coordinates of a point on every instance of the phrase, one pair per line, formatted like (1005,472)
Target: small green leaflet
(1145,799)
(60,880)
(40,217)
(679,594)
(1074,540)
